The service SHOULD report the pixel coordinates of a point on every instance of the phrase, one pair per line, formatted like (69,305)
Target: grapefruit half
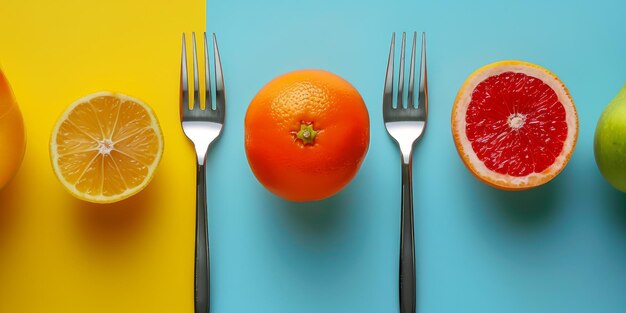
(514,125)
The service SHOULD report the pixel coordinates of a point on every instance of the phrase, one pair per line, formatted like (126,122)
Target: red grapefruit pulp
(514,125)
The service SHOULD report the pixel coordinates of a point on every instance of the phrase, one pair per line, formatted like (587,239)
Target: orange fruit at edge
(12,135)
(306,134)
(105,147)
(514,125)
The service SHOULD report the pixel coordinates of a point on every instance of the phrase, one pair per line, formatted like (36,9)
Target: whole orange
(306,134)
(12,133)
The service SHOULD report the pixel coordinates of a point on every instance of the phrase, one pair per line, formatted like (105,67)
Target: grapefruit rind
(464,147)
(54,156)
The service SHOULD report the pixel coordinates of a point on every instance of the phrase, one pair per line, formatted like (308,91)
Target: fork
(406,124)
(202,127)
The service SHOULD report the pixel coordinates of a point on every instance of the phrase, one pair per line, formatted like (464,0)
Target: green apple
(610,142)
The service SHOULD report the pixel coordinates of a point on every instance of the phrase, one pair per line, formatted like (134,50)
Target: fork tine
(220,95)
(207,77)
(411,101)
(423,87)
(184,80)
(400,102)
(388,91)
(196,89)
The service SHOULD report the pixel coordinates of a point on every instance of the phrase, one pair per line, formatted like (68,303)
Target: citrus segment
(514,124)
(106,147)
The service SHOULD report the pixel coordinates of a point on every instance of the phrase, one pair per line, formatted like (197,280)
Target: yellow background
(59,254)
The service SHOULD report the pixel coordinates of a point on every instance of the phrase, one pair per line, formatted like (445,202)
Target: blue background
(558,248)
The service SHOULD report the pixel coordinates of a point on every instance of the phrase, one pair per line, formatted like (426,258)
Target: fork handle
(201,268)
(407,243)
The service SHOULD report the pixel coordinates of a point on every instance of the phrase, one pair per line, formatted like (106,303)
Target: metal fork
(406,125)
(202,127)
